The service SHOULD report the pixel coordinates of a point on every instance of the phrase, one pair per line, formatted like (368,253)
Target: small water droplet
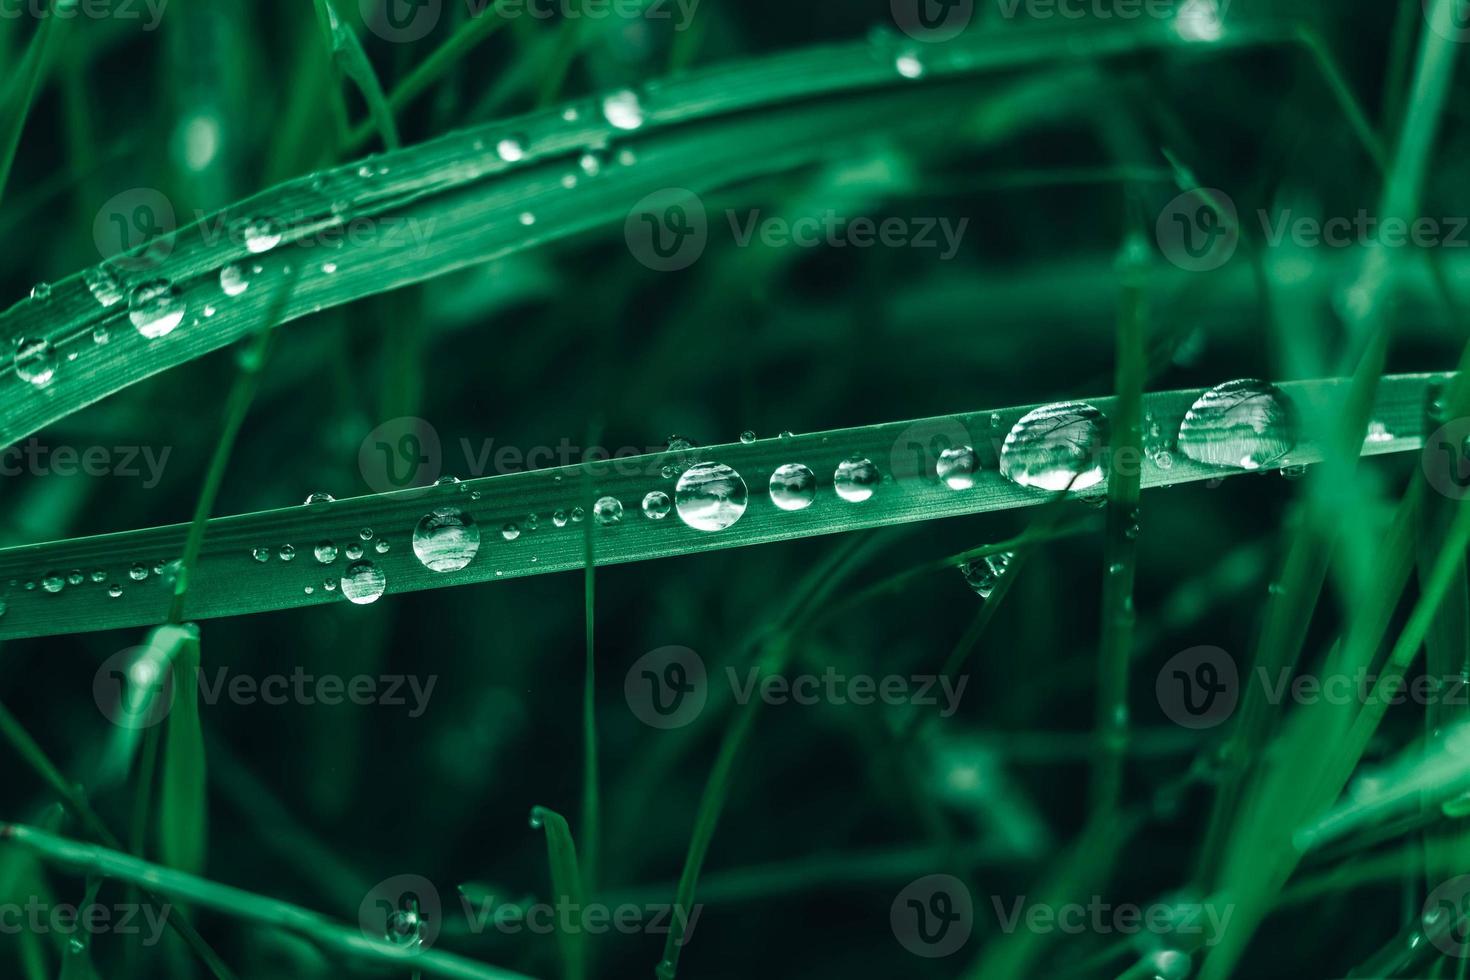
(101,334)
(656,505)
(41,292)
(510,149)
(261,555)
(52,582)
(984,574)
(1248,424)
(957,467)
(445,540)
(234,279)
(559,518)
(747,437)
(318,498)
(382,546)
(105,286)
(138,572)
(793,486)
(527,218)
(329,585)
(510,532)
(366,534)
(363,583)
(287,552)
(623,110)
(578,514)
(35,360)
(329,267)
(607,510)
(909,65)
(75,577)
(326,552)
(261,235)
(156,307)
(353,551)
(99,575)
(1056,447)
(856,479)
(710,496)
(115,590)
(309,589)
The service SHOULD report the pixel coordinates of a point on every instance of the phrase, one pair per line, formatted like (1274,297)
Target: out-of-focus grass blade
(241,904)
(76,960)
(182,810)
(430,209)
(352,62)
(566,885)
(240,569)
(19,91)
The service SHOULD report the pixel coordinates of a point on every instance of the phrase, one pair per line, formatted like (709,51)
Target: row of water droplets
(1245,424)
(157,306)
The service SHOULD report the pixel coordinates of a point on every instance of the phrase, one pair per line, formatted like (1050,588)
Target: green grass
(518,312)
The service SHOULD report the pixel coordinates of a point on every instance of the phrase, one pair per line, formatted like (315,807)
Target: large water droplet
(793,486)
(856,479)
(623,110)
(984,574)
(446,539)
(52,582)
(710,496)
(156,307)
(1246,424)
(1056,447)
(363,583)
(957,467)
(35,360)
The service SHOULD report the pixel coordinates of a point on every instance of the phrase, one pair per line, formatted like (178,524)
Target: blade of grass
(591,800)
(352,64)
(461,203)
(182,799)
(566,884)
(244,905)
(20,92)
(230,580)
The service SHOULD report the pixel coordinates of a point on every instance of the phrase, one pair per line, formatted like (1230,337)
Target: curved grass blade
(20,91)
(453,202)
(182,800)
(240,570)
(566,884)
(242,904)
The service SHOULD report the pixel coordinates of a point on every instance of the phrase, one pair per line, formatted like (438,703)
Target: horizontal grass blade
(93,859)
(456,201)
(229,580)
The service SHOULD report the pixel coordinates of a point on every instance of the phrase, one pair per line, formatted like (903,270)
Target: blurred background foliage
(315,804)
